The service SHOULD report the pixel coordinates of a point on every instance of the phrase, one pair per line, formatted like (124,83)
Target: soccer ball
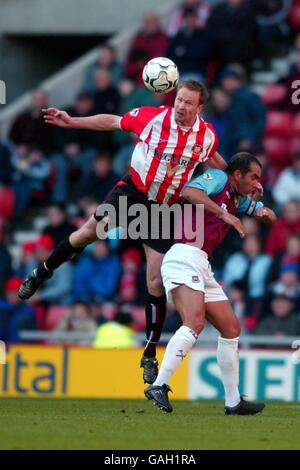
(160,75)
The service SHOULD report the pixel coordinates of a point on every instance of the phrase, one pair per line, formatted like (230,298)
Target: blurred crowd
(65,173)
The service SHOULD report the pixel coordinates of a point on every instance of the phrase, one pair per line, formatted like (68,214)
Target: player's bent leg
(65,250)
(155,311)
(190,305)
(222,317)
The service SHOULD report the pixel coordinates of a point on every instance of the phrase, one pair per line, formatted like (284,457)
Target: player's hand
(57,117)
(266,215)
(234,222)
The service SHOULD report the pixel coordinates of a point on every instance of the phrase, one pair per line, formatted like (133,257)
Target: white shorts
(188,265)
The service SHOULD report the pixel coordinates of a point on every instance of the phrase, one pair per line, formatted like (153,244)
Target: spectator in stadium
(232,24)
(217,113)
(5,259)
(58,289)
(78,319)
(73,151)
(100,180)
(97,274)
(272,25)
(287,224)
(106,95)
(14,315)
(58,225)
(28,128)
(251,266)
(290,255)
(83,106)
(191,48)
(282,320)
(287,283)
(131,260)
(6,168)
(32,171)
(176,20)
(247,114)
(287,187)
(116,333)
(151,41)
(107,59)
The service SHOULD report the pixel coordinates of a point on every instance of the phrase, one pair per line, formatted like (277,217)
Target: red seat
(279,124)
(274,95)
(296,125)
(7,202)
(278,151)
(294,16)
(55,315)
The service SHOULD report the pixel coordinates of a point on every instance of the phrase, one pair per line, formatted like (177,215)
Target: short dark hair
(193,85)
(58,205)
(241,161)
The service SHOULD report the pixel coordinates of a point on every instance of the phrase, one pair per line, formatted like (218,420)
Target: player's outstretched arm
(197,196)
(99,122)
(265,215)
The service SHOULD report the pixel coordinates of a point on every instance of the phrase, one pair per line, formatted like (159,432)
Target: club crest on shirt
(134,112)
(197,148)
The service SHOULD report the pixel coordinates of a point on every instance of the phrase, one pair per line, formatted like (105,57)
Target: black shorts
(125,187)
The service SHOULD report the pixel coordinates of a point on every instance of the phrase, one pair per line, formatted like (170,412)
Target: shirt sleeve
(136,119)
(211,182)
(247,206)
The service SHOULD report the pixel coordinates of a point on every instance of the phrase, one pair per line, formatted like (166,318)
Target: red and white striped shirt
(165,156)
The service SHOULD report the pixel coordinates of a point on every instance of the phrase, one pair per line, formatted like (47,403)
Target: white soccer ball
(160,75)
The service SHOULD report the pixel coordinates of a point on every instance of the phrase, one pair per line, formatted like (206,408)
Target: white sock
(228,360)
(177,348)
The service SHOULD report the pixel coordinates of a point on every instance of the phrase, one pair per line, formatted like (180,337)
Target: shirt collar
(174,125)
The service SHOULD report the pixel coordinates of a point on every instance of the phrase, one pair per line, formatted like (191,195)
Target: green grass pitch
(136,424)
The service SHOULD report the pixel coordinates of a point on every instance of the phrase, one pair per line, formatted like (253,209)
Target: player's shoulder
(213,178)
(214,174)
(147,111)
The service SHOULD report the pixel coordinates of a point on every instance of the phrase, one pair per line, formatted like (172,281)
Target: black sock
(155,317)
(62,253)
